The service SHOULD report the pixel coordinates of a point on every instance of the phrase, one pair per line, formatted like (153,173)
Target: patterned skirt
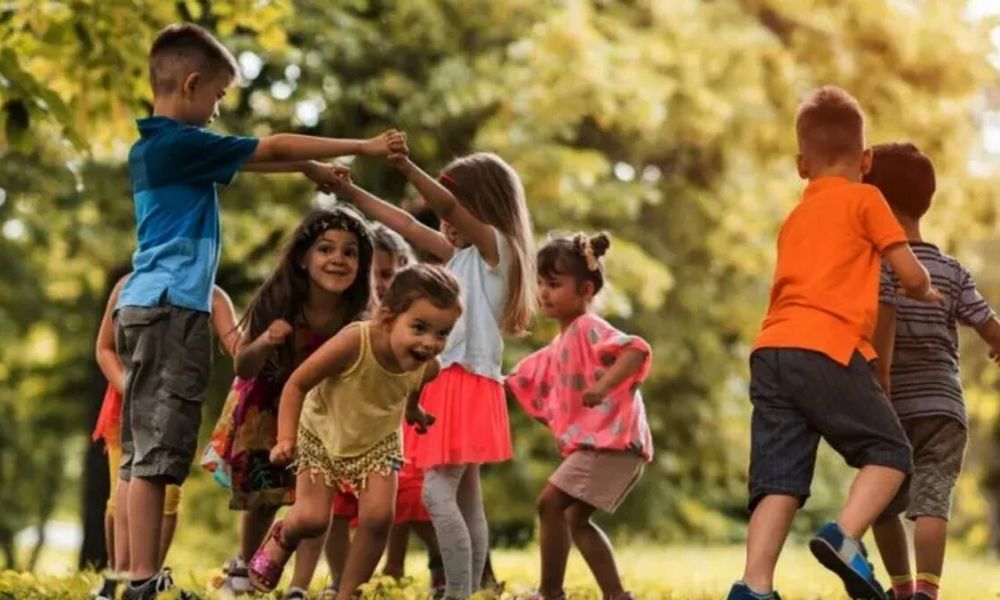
(349,473)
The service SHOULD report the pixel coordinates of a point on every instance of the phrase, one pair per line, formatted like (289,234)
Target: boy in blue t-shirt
(163,312)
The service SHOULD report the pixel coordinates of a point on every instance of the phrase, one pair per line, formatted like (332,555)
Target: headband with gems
(334,222)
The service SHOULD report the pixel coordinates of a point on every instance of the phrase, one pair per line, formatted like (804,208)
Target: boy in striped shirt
(917,346)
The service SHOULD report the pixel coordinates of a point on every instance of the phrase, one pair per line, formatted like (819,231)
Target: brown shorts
(938,452)
(601,478)
(167,355)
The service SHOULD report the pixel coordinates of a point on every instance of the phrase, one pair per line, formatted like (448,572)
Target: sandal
(265,572)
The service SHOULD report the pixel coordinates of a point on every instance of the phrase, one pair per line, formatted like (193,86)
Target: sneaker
(741,591)
(328,593)
(890,594)
(855,571)
(161,582)
(296,593)
(108,587)
(237,576)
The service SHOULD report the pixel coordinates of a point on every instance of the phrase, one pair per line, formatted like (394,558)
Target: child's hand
(331,178)
(419,418)
(594,396)
(931,296)
(383,145)
(277,332)
(283,452)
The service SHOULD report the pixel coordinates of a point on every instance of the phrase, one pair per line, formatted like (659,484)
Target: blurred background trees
(668,124)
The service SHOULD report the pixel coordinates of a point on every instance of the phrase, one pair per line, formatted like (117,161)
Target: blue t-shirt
(174,169)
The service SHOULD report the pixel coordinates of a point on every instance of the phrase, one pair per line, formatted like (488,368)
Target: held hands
(399,152)
(283,452)
(421,420)
(386,144)
(277,332)
(331,178)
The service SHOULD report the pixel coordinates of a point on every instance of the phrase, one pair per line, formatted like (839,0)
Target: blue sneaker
(853,569)
(741,591)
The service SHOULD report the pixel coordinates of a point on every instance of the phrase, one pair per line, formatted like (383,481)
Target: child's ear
(803,165)
(867,159)
(589,289)
(383,317)
(191,82)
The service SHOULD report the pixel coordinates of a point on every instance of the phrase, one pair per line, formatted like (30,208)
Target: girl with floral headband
(320,285)
(585,387)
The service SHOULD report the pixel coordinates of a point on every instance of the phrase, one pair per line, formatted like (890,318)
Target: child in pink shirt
(585,387)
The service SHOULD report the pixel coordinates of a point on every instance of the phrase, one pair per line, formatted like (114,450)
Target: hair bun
(599,244)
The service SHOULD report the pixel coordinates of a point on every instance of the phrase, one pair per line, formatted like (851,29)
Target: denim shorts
(167,355)
(801,396)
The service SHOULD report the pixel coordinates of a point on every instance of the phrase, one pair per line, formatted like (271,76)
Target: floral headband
(339,221)
(586,250)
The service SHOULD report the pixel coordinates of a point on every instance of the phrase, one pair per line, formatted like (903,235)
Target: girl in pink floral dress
(585,387)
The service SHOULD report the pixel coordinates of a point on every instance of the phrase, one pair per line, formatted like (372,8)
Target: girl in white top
(486,240)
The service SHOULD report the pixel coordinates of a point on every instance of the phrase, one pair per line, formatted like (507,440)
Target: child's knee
(378,523)
(310,523)
(548,503)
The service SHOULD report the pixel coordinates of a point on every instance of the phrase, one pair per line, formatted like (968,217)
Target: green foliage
(668,124)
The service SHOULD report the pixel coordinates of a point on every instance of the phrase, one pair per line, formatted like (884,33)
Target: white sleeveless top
(476,343)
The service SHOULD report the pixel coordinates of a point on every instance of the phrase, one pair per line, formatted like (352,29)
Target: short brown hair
(422,282)
(183,49)
(830,125)
(569,256)
(387,240)
(905,176)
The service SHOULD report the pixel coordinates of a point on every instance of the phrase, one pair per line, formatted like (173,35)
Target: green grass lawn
(653,572)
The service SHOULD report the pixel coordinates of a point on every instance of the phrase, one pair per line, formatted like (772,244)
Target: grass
(652,572)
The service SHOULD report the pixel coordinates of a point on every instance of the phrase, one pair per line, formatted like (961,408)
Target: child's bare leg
(554,539)
(308,517)
(121,564)
(145,511)
(595,548)
(873,489)
(254,524)
(930,538)
(769,526)
(168,525)
(376,505)
(306,558)
(109,536)
(893,546)
(395,553)
(338,545)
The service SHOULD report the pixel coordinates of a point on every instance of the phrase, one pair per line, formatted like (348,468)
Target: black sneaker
(108,587)
(160,583)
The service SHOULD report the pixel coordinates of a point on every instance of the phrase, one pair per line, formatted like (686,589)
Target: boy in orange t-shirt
(810,371)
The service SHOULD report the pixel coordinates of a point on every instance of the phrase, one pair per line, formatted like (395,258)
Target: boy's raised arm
(291,147)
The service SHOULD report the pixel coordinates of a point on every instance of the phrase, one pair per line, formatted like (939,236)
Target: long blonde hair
(492,191)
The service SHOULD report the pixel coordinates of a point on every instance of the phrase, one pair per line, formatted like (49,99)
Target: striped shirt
(925,379)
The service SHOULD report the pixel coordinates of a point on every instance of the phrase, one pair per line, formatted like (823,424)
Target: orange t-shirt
(825,291)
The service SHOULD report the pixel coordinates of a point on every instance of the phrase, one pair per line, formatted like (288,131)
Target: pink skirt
(471,425)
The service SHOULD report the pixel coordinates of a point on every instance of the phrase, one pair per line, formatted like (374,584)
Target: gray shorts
(167,354)
(800,396)
(938,452)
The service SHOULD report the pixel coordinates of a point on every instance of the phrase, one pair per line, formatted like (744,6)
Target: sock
(850,548)
(927,584)
(758,594)
(902,586)
(136,583)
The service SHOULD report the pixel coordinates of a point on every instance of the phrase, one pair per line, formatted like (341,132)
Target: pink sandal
(265,572)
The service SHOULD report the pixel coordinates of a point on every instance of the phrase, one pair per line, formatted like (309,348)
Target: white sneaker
(296,593)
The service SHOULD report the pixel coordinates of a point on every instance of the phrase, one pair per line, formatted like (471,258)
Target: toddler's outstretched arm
(443,202)
(107,351)
(330,360)
(627,363)
(990,332)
